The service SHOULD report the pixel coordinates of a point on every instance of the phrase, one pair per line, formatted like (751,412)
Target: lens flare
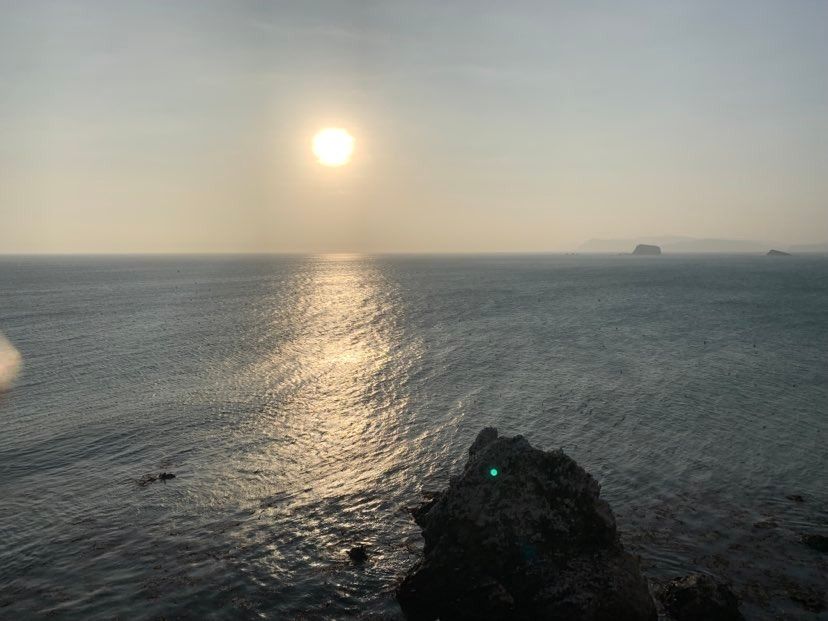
(9,364)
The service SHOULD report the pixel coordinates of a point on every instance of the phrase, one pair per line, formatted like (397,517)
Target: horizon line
(376,253)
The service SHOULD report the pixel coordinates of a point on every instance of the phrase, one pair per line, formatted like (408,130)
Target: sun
(333,146)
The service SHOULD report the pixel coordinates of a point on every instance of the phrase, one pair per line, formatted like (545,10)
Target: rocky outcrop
(778,253)
(699,597)
(522,534)
(647,249)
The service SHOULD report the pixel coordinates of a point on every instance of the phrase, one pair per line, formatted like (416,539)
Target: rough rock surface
(817,541)
(522,534)
(647,249)
(699,597)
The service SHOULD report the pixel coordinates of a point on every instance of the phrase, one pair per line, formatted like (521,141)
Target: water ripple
(305,403)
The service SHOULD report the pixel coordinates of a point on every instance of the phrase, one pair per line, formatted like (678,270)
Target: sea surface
(305,402)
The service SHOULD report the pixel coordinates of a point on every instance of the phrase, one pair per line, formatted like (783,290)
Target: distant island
(672,244)
(778,253)
(647,249)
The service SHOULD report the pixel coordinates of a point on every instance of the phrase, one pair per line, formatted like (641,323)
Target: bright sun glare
(333,146)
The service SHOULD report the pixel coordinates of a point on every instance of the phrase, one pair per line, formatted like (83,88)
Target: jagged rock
(647,249)
(522,534)
(699,597)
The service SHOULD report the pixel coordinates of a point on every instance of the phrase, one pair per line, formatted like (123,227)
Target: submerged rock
(647,249)
(816,541)
(765,524)
(522,534)
(358,554)
(147,479)
(152,478)
(699,597)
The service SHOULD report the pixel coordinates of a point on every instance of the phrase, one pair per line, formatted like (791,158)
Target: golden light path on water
(336,423)
(343,349)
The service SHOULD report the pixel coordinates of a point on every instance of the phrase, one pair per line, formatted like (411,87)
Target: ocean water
(304,403)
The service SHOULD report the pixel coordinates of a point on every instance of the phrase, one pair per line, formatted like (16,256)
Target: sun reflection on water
(345,349)
(335,380)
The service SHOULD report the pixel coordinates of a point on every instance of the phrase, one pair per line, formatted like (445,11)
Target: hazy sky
(186,126)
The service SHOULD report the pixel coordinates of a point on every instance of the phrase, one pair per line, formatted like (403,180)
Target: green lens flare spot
(493,472)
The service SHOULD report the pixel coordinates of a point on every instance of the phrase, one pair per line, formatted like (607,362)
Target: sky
(479,126)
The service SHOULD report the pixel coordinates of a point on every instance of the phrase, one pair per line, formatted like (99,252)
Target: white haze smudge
(9,363)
